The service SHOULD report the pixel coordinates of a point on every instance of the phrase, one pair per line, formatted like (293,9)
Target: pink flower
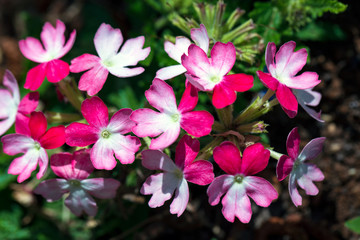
(211,74)
(33,146)
(295,164)
(282,79)
(175,51)
(51,66)
(171,118)
(73,169)
(239,184)
(108,137)
(107,43)
(174,177)
(308,97)
(12,109)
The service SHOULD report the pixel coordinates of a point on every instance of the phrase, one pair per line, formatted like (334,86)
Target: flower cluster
(101,137)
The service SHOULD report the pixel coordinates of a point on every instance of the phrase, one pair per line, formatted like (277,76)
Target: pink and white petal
(102,155)
(103,188)
(123,72)
(200,37)
(199,172)
(189,99)
(22,124)
(29,103)
(293,143)
(107,41)
(223,58)
(16,143)
(223,96)
(93,80)
(52,189)
(255,159)
(149,122)
(286,98)
(161,96)
(227,156)
(312,112)
(161,186)
(284,167)
(291,114)
(57,70)
(81,164)
(308,97)
(306,184)
(53,38)
(312,149)
(32,49)
(294,193)
(238,82)
(170,72)
(270,54)
(197,62)
(175,51)
(35,77)
(313,172)
(43,163)
(186,151)
(95,112)
(10,82)
(219,187)
(69,44)
(157,160)
(5,125)
(167,138)
(295,63)
(81,135)
(79,200)
(181,199)
(8,107)
(283,56)
(199,83)
(268,81)
(131,52)
(53,138)
(62,165)
(124,147)
(24,165)
(197,123)
(260,190)
(236,204)
(120,122)
(304,81)
(37,125)
(84,62)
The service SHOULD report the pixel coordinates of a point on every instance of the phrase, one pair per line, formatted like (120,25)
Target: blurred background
(328,29)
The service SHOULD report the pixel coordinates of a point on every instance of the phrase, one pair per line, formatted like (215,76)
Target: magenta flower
(107,43)
(308,97)
(281,77)
(168,122)
(108,137)
(174,177)
(73,169)
(175,51)
(12,109)
(239,184)
(33,146)
(211,74)
(50,65)
(295,164)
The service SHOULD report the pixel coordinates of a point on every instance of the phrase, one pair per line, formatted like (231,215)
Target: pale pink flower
(283,66)
(211,74)
(174,176)
(107,42)
(175,51)
(50,65)
(33,146)
(305,98)
(12,109)
(108,137)
(73,169)
(239,184)
(295,164)
(168,122)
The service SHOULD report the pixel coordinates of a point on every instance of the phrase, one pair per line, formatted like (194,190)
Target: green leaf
(353,224)
(321,31)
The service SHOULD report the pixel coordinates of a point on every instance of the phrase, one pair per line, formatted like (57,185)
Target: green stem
(56,117)
(275,155)
(207,151)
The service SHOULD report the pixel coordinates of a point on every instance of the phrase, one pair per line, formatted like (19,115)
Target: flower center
(178,173)
(37,146)
(75,183)
(108,63)
(105,134)
(215,79)
(296,165)
(239,178)
(175,117)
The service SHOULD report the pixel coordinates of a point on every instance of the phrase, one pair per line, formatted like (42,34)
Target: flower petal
(167,138)
(56,70)
(181,199)
(219,187)
(260,190)
(283,56)
(199,172)
(223,57)
(107,41)
(79,200)
(255,159)
(17,143)
(52,189)
(120,122)
(81,135)
(149,122)
(93,80)
(123,72)
(102,155)
(175,51)
(29,102)
(157,160)
(312,149)
(186,151)
(53,138)
(35,77)
(238,82)
(32,49)
(37,125)
(9,81)
(286,98)
(161,96)
(103,188)
(125,147)
(308,96)
(270,55)
(284,167)
(197,123)
(95,112)
(269,81)
(304,81)
(189,99)
(84,62)
(227,156)
(200,37)
(197,62)
(293,143)
(223,96)
(170,72)
(294,193)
